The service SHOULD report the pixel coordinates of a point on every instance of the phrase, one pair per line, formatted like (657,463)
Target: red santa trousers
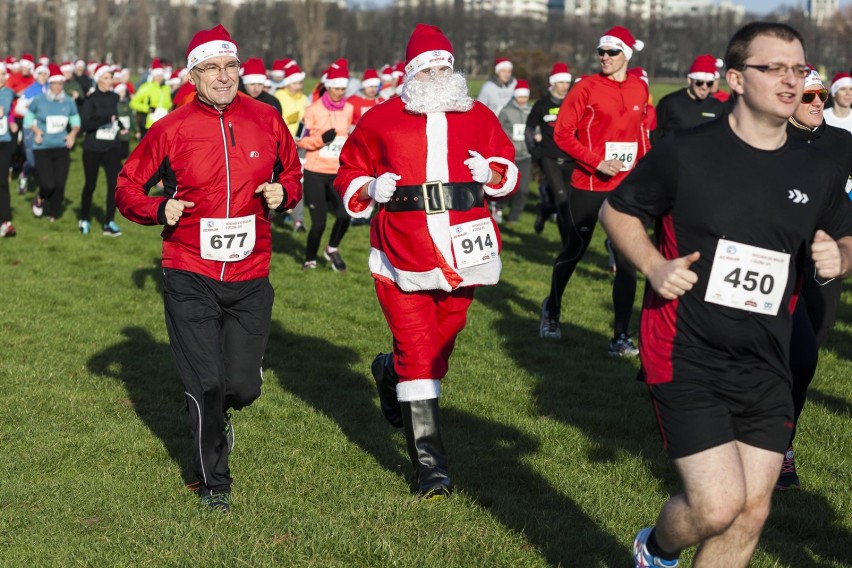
(424,326)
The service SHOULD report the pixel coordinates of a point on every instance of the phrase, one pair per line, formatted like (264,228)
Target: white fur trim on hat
(702,76)
(41,69)
(371,83)
(294,78)
(254,79)
(560,77)
(839,84)
(209,50)
(338,83)
(503,65)
(428,59)
(522,92)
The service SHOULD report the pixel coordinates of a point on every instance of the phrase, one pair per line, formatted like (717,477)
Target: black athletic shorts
(698,414)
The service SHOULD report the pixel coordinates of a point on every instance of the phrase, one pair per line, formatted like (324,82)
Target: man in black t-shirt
(692,105)
(739,207)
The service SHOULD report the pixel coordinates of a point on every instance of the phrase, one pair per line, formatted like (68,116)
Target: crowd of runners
(744,189)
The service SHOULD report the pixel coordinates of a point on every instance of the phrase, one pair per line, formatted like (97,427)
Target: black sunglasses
(702,83)
(610,52)
(808,98)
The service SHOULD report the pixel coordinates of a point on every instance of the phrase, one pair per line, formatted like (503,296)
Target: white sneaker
(7,230)
(38,206)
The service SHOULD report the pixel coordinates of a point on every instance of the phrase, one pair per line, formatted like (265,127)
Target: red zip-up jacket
(598,110)
(216,160)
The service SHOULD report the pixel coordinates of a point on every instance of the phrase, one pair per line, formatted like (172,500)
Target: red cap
(704,68)
(292,73)
(55,74)
(254,71)
(427,47)
(370,78)
(210,43)
(560,73)
(502,63)
(522,88)
(337,75)
(100,70)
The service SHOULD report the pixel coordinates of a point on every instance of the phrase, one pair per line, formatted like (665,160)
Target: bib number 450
(751,281)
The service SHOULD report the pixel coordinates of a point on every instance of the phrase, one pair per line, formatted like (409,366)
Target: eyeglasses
(702,83)
(232,68)
(779,69)
(610,52)
(809,97)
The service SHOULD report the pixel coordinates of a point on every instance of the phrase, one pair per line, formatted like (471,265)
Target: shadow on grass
(835,404)
(287,242)
(155,391)
(154,273)
(803,524)
(486,457)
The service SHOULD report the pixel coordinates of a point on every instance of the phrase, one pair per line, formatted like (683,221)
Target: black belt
(437,197)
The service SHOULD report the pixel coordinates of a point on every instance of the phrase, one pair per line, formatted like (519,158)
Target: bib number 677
(217,241)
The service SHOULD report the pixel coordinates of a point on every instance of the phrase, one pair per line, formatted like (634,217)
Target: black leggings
(577,217)
(92,162)
(319,192)
(556,181)
(52,168)
(804,355)
(6,151)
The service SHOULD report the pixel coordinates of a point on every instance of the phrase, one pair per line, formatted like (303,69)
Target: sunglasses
(610,52)
(702,83)
(808,98)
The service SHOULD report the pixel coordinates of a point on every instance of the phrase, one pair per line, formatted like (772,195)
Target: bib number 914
(469,245)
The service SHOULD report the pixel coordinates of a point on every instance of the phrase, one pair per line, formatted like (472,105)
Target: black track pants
(218,333)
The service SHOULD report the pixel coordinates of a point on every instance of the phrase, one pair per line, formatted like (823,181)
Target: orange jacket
(324,158)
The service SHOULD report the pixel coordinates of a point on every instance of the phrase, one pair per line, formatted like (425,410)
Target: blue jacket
(53,117)
(6,97)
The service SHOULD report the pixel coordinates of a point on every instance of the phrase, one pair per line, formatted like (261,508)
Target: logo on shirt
(254,154)
(797,196)
(635,107)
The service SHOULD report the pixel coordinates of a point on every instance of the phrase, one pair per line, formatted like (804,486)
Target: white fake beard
(437,93)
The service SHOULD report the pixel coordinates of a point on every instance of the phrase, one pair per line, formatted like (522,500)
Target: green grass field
(553,447)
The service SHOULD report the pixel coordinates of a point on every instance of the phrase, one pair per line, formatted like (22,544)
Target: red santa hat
(386,74)
(337,75)
(398,69)
(41,69)
(210,43)
(705,68)
(100,71)
(80,63)
(156,67)
(502,63)
(839,81)
(522,88)
(428,47)
(370,78)
(55,74)
(813,82)
(91,66)
(44,60)
(560,73)
(293,74)
(277,71)
(620,37)
(27,60)
(639,73)
(255,71)
(67,67)
(174,79)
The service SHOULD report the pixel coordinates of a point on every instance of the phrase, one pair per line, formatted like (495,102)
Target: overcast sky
(765,6)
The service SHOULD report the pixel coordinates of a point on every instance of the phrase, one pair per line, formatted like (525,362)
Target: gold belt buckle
(427,205)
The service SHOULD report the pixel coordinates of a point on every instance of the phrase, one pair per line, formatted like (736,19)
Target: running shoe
(229,432)
(299,227)
(334,257)
(622,346)
(22,185)
(7,230)
(309,265)
(38,206)
(549,327)
(112,230)
(220,501)
(644,559)
(788,479)
(84,226)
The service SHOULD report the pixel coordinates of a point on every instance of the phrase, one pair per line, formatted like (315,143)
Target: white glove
(479,168)
(382,188)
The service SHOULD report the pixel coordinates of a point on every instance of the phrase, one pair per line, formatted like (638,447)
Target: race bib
(4,126)
(474,242)
(55,124)
(106,132)
(748,278)
(157,114)
(125,122)
(333,150)
(518,131)
(227,240)
(623,151)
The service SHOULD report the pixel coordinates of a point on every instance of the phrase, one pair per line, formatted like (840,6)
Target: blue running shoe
(112,230)
(642,557)
(84,227)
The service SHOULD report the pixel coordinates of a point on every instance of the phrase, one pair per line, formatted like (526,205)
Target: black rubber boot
(425,448)
(386,380)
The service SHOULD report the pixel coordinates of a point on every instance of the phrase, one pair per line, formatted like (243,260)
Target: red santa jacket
(598,111)
(215,160)
(411,248)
